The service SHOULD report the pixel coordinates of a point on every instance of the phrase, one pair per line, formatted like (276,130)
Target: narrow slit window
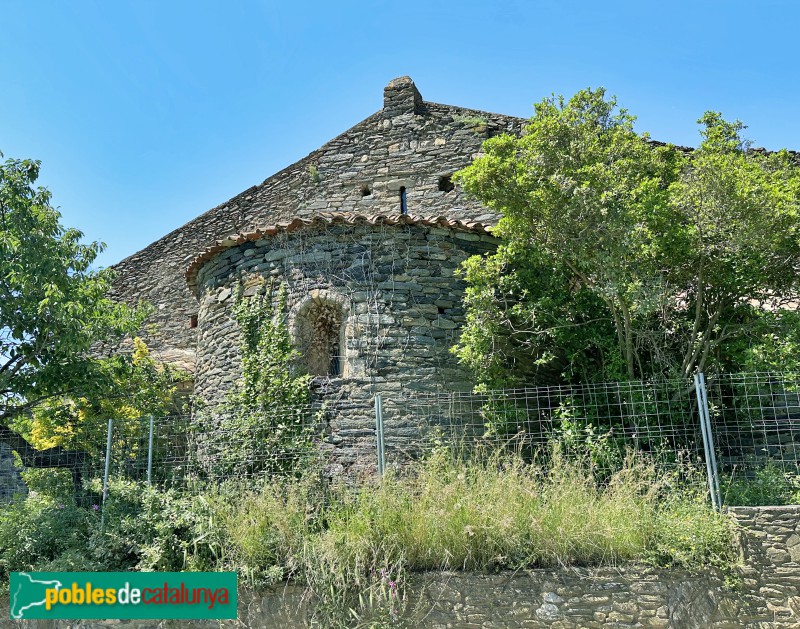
(403,204)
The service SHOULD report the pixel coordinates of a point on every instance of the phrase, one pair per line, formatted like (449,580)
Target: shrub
(769,485)
(39,532)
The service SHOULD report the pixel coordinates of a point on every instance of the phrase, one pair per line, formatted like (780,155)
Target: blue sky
(145,114)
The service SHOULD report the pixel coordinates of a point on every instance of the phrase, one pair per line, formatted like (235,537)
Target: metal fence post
(708,442)
(714,470)
(150,455)
(379,433)
(105,474)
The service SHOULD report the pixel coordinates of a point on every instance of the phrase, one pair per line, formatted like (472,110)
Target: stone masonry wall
(569,597)
(401,305)
(770,545)
(409,143)
(11,484)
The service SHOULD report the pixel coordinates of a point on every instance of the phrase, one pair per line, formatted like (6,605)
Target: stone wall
(409,143)
(770,545)
(401,310)
(570,598)
(11,483)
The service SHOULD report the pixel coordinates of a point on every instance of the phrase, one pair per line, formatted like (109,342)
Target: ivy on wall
(266,426)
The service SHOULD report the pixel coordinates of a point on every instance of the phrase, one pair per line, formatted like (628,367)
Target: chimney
(401,97)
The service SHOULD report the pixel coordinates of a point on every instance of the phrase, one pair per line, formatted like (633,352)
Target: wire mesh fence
(208,448)
(750,448)
(603,421)
(755,424)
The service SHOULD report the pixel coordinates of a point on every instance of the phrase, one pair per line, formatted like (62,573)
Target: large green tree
(622,257)
(739,263)
(54,309)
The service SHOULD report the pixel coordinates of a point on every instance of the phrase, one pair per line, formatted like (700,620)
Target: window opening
(320,330)
(403,206)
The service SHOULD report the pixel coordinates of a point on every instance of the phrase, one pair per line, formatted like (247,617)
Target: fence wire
(602,420)
(754,421)
(193,452)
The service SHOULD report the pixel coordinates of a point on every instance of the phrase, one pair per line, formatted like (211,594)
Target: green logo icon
(122,595)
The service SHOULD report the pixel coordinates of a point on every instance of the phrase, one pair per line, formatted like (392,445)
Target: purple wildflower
(96,507)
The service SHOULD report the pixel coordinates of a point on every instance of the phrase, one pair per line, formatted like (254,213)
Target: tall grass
(354,548)
(485,513)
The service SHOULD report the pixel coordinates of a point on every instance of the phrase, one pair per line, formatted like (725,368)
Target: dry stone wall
(409,144)
(770,544)
(11,484)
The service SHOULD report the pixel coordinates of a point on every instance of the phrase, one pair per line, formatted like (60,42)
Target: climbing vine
(266,427)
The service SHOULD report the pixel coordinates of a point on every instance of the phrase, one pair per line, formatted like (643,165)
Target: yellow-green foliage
(133,386)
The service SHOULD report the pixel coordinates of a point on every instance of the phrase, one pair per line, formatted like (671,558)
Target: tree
(636,259)
(740,259)
(135,386)
(53,309)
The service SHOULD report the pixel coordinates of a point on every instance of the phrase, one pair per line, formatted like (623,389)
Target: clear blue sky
(145,114)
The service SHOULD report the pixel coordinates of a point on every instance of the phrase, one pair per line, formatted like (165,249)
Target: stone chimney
(401,97)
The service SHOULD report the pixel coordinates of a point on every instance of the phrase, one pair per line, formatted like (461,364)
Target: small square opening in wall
(365,191)
(193,321)
(446,183)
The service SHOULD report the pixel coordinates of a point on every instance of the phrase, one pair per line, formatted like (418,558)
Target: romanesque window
(319,327)
(403,203)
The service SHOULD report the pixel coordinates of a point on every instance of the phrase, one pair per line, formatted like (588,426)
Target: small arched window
(320,334)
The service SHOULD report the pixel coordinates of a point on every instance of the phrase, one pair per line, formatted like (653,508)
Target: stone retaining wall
(770,545)
(571,598)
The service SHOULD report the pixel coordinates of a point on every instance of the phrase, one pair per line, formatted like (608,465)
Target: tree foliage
(136,386)
(624,258)
(53,308)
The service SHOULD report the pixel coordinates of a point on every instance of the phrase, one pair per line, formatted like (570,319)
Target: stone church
(366,233)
